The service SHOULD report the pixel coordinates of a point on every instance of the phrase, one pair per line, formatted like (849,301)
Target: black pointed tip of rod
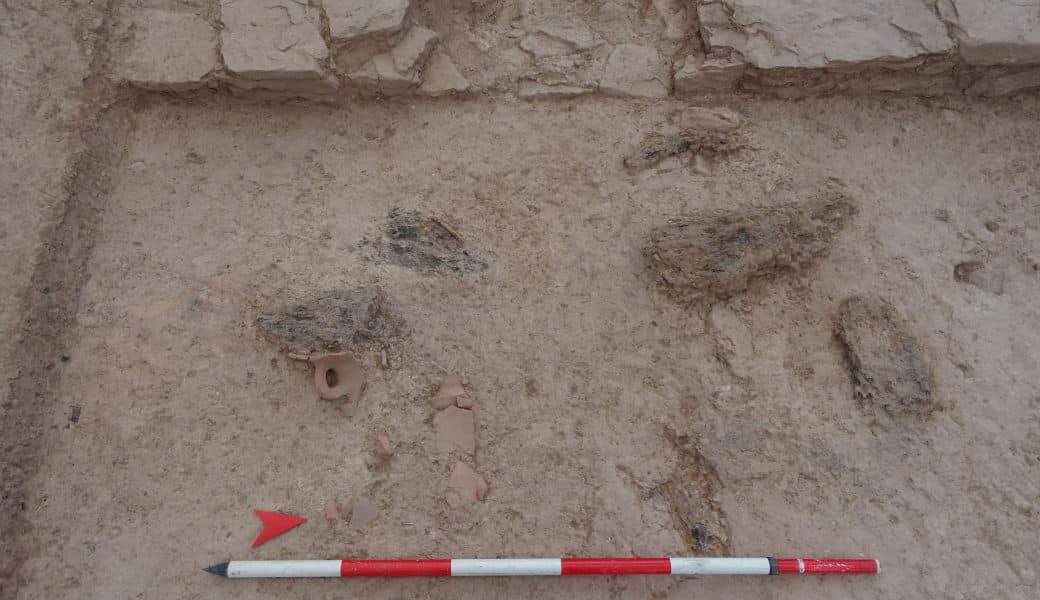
(217,569)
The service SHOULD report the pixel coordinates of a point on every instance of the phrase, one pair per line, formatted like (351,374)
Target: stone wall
(342,49)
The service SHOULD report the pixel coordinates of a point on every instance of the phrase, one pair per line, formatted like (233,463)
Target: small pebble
(976,273)
(465,486)
(384,447)
(363,511)
(450,390)
(455,430)
(332,510)
(700,166)
(700,536)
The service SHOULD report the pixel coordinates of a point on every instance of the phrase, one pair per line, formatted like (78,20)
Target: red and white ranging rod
(512,567)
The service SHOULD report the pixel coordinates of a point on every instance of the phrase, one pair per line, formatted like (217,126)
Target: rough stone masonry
(551,49)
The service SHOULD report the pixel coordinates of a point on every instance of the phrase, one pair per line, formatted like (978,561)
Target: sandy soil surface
(610,418)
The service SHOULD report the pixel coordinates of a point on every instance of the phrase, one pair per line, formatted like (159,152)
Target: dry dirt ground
(141,243)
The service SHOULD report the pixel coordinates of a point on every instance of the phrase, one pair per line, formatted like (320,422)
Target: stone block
(380,75)
(633,70)
(413,49)
(995,32)
(441,77)
(168,51)
(272,40)
(352,19)
(822,33)
(711,74)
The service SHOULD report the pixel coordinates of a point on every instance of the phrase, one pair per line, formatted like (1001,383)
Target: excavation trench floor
(608,418)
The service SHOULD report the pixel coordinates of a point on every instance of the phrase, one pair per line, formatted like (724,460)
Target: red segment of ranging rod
(515,567)
(615,566)
(395,568)
(825,565)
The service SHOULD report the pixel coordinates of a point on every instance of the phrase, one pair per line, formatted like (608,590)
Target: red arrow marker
(275,524)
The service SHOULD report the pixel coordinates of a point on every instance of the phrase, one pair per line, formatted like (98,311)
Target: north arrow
(275,524)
